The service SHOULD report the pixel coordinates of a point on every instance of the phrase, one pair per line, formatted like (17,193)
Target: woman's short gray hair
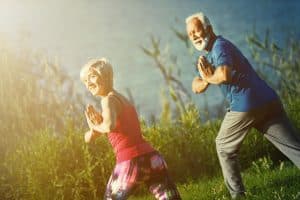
(203,19)
(102,66)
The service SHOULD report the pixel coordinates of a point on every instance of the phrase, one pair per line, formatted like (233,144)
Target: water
(74,31)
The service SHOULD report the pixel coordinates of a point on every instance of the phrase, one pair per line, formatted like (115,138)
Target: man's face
(196,34)
(94,83)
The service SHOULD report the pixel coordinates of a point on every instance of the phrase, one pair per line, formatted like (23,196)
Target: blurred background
(71,32)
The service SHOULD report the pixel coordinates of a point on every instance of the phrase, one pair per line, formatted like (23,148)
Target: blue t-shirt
(246,90)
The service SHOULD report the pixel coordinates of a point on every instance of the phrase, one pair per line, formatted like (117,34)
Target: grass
(281,183)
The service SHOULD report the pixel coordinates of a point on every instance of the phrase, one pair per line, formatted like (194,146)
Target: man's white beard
(202,45)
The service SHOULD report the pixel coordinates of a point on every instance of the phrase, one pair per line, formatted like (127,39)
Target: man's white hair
(203,19)
(102,66)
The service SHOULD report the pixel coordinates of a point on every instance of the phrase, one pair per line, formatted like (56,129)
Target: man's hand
(205,68)
(199,85)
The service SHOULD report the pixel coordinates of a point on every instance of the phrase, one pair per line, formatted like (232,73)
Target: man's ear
(209,30)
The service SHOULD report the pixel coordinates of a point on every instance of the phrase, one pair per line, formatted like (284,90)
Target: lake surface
(74,31)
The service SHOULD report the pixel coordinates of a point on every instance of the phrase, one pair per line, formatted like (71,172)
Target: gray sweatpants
(269,119)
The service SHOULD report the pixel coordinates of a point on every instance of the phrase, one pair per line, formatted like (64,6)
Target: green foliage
(166,62)
(262,165)
(185,145)
(283,63)
(48,167)
(34,94)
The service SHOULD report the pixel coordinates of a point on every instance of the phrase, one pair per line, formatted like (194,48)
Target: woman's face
(95,83)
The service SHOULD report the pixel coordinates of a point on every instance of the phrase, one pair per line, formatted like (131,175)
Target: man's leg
(233,130)
(282,134)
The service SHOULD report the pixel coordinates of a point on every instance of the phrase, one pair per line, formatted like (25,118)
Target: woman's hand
(88,136)
(92,116)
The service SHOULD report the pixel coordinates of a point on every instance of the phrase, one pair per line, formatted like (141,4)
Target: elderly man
(253,104)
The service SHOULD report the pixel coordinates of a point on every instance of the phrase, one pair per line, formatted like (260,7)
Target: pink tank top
(126,139)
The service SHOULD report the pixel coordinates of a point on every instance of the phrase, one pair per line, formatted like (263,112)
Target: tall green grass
(44,166)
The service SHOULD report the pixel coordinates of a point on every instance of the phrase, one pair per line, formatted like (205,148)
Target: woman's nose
(193,35)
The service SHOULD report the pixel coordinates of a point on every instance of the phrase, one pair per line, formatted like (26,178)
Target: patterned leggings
(150,169)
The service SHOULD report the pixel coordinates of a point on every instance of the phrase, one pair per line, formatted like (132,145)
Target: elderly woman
(136,160)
